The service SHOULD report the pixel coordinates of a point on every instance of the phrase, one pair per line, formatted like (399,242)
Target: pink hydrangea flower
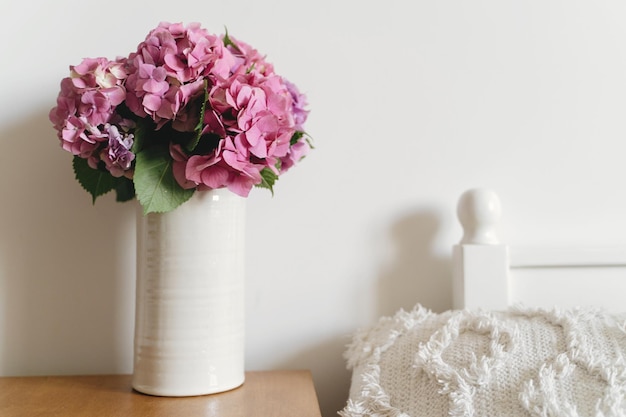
(87,101)
(169,68)
(256,113)
(247,59)
(215,102)
(229,166)
(297,151)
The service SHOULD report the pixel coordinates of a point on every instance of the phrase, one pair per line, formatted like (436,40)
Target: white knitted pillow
(521,362)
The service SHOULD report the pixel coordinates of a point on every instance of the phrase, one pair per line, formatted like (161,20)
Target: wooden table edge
(273,392)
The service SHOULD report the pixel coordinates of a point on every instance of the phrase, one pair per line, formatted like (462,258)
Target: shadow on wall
(331,378)
(415,274)
(64,266)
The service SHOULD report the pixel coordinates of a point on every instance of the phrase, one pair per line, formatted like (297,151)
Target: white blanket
(521,362)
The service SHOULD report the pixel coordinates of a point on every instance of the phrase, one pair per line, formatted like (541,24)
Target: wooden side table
(264,394)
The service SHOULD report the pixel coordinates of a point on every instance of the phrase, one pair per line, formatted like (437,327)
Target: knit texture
(519,362)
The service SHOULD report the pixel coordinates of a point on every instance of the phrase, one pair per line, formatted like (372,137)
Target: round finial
(479,213)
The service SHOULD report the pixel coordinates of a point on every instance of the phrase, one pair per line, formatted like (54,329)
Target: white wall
(412,102)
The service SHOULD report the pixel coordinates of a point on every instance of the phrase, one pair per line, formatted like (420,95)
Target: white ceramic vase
(189,320)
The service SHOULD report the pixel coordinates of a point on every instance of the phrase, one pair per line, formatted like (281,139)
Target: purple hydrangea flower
(117,156)
(298,105)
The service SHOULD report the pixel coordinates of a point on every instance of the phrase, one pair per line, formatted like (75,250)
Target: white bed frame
(490,274)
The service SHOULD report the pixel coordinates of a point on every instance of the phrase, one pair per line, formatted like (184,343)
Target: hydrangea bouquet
(187,111)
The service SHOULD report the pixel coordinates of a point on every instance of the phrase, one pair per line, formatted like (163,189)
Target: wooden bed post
(480,261)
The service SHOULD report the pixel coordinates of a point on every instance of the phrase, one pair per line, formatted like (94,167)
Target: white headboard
(490,274)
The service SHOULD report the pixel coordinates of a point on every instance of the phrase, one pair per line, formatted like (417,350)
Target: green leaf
(229,42)
(94,181)
(268,180)
(296,137)
(125,189)
(193,143)
(139,136)
(155,185)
